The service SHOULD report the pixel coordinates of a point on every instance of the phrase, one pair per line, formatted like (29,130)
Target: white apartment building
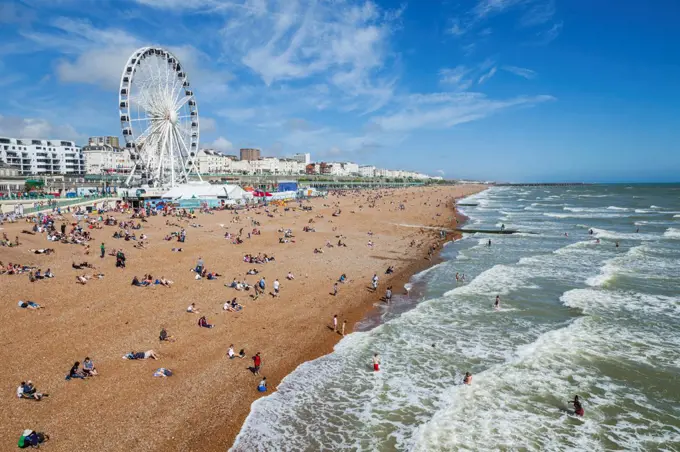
(367,171)
(34,157)
(350,168)
(305,158)
(210,161)
(101,159)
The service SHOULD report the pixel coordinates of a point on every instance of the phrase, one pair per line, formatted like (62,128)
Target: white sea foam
(616,235)
(520,401)
(584,215)
(673,233)
(592,301)
(499,279)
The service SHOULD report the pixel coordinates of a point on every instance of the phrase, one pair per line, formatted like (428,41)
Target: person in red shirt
(257,362)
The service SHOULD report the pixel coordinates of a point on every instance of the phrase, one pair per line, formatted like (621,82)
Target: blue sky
(512,90)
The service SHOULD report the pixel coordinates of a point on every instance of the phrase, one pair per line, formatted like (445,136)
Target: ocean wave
(673,233)
(616,235)
(584,215)
(518,402)
(498,280)
(592,301)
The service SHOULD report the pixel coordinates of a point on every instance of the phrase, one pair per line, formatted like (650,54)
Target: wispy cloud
(457,28)
(539,13)
(456,77)
(549,35)
(445,110)
(487,75)
(520,71)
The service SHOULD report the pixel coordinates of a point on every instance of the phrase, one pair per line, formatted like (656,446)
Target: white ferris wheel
(159,117)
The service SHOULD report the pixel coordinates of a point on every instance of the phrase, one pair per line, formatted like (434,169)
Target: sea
(590,306)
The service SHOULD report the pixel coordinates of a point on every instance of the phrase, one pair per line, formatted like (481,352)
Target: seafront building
(250,154)
(103,156)
(37,157)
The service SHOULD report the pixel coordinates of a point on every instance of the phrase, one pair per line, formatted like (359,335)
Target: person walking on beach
(335,289)
(374,281)
(199,265)
(276,287)
(102,248)
(335,323)
(344,324)
(257,362)
(388,294)
(376,363)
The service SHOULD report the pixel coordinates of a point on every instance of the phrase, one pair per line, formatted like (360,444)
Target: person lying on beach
(252,272)
(318,251)
(290,276)
(81,265)
(26,390)
(47,251)
(149,354)
(165,282)
(82,279)
(29,305)
(390,270)
(163,336)
(162,372)
(88,368)
(203,323)
(177,250)
(75,372)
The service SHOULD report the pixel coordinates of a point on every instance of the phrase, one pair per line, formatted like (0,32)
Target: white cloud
(445,110)
(457,28)
(221,144)
(488,7)
(16,127)
(538,14)
(457,77)
(345,43)
(549,35)
(488,75)
(520,71)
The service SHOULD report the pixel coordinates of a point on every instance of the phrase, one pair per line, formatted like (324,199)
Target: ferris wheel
(159,117)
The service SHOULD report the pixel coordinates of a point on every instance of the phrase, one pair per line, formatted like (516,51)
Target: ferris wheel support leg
(132,173)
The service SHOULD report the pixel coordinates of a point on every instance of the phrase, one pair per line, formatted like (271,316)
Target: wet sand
(204,404)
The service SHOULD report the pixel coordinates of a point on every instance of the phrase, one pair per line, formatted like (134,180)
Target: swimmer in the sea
(578,408)
(468,378)
(497,303)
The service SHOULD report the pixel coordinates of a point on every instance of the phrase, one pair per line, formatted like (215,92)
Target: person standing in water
(578,408)
(497,303)
(468,378)
(335,323)
(376,362)
(489,243)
